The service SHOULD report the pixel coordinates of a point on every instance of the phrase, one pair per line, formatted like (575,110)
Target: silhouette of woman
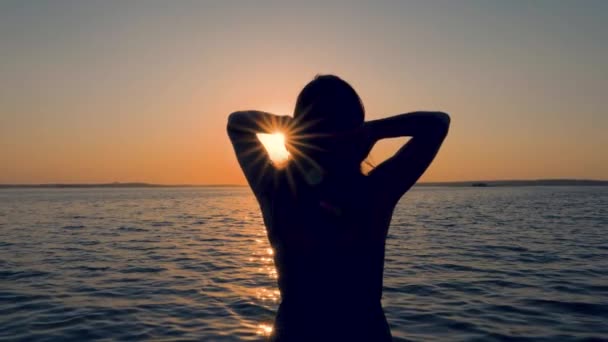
(327,221)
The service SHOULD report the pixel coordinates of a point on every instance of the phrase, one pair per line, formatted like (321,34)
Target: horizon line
(529,181)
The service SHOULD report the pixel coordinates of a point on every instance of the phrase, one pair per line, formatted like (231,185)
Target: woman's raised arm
(242,128)
(397,174)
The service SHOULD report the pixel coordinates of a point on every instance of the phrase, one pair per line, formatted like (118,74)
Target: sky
(125,91)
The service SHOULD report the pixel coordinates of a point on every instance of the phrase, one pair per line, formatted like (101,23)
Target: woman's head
(327,110)
(328,105)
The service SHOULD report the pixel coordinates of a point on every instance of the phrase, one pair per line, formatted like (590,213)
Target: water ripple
(191,264)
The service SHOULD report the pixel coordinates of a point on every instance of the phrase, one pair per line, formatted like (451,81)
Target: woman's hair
(327,108)
(328,104)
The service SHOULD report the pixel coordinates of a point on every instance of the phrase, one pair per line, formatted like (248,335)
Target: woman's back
(328,243)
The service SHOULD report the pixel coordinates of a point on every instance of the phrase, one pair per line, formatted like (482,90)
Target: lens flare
(275,146)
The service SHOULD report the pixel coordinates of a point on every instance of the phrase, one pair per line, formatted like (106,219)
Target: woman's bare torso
(328,246)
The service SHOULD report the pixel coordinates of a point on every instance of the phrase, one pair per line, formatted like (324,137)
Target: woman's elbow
(234,121)
(234,117)
(441,122)
(444,118)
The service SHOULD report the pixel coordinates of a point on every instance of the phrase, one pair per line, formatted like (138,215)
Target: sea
(194,264)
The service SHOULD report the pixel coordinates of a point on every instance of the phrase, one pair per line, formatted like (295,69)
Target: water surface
(524,263)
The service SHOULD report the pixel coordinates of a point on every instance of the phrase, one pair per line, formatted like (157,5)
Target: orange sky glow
(140,92)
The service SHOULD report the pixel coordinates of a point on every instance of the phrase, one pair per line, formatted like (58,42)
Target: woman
(327,221)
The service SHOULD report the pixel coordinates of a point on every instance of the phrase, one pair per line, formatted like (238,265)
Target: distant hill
(495,183)
(108,185)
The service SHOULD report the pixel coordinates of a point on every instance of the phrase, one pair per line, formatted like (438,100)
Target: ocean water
(486,264)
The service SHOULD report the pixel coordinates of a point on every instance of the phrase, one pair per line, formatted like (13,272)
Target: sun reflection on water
(264,329)
(268,295)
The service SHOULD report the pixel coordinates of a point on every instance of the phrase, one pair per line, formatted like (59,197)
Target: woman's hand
(357,143)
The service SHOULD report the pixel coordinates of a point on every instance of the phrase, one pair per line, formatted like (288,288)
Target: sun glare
(275,146)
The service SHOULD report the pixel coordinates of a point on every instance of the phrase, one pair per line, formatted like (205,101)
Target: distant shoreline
(528,182)
(495,183)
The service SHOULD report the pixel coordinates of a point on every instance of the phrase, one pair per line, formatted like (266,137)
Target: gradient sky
(103,91)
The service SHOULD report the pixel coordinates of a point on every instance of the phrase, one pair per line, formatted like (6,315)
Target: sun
(275,146)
